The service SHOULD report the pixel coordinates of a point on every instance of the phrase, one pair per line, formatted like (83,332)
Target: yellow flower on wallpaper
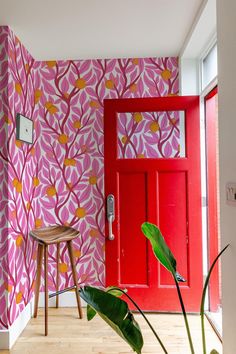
(51,191)
(166,74)
(109,84)
(133,87)
(51,63)
(35,181)
(37,95)
(92,179)
(77,124)
(19,297)
(93,233)
(8,287)
(94,104)
(51,108)
(135,61)
(63,267)
(7,119)
(19,240)
(38,223)
(124,139)
(17,184)
(63,139)
(69,162)
(80,213)
(32,151)
(18,88)
(138,117)
(77,253)
(18,143)
(140,156)
(80,83)
(154,127)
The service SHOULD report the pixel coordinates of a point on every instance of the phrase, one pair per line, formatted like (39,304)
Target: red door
(161,186)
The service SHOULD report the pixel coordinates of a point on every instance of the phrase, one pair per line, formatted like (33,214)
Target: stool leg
(71,255)
(38,278)
(58,279)
(46,288)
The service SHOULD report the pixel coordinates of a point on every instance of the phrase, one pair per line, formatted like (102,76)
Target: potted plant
(115,311)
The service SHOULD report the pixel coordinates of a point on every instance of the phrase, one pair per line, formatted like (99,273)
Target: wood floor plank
(68,334)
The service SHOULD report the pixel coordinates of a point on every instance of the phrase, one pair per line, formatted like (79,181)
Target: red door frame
(212,195)
(191,105)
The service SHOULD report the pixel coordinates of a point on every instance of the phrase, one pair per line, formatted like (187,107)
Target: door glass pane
(151,134)
(209,67)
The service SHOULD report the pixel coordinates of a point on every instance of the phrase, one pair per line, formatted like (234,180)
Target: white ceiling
(86,29)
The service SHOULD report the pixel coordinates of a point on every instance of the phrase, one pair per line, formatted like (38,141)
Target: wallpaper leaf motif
(60,178)
(149,135)
(4,121)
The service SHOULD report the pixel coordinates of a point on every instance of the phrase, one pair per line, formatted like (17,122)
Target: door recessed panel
(133,244)
(173,221)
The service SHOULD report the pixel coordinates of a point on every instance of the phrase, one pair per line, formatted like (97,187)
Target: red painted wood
(173,220)
(213,208)
(133,252)
(162,191)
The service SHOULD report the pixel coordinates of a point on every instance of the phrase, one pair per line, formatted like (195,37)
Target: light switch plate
(231,193)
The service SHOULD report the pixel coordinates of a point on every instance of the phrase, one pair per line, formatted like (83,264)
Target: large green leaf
(114,290)
(90,313)
(160,248)
(116,313)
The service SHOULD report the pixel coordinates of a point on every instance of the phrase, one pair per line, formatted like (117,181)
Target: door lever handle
(110,233)
(110,215)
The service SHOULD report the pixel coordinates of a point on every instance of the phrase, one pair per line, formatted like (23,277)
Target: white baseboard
(4,339)
(67,299)
(9,336)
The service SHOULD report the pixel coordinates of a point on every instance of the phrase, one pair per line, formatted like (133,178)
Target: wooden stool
(48,236)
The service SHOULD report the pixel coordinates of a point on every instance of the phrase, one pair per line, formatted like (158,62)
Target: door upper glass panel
(151,135)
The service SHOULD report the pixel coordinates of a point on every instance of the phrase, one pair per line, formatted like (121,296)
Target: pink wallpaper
(71,119)
(3,176)
(149,135)
(60,178)
(18,265)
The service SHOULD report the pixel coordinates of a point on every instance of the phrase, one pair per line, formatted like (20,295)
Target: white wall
(226,27)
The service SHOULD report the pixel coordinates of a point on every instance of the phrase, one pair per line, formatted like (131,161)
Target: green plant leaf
(116,313)
(214,351)
(90,313)
(114,290)
(160,248)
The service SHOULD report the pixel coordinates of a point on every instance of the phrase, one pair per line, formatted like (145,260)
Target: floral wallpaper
(18,266)
(149,135)
(71,119)
(60,179)
(3,175)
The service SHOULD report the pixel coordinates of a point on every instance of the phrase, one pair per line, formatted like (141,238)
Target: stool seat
(44,237)
(54,234)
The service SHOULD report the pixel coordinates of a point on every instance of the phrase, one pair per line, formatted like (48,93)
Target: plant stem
(149,324)
(185,316)
(203,299)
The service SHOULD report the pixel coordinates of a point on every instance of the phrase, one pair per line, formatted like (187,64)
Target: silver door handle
(110,234)
(110,215)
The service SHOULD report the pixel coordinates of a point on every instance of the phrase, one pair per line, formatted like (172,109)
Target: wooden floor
(68,334)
